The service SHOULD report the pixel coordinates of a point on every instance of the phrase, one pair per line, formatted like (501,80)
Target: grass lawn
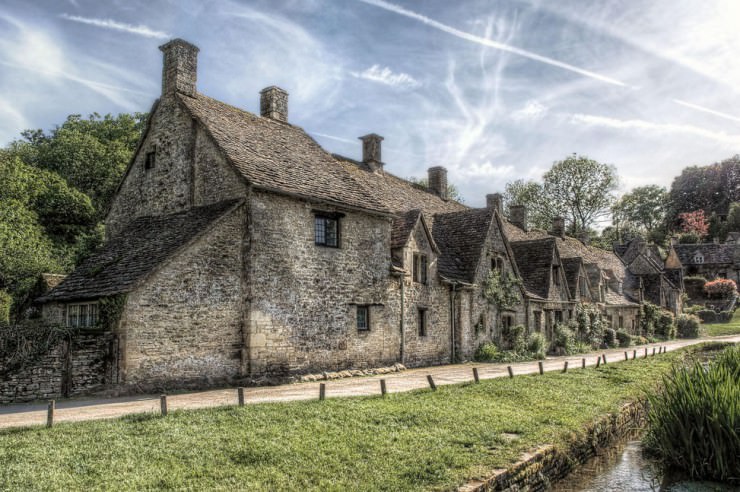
(411,441)
(719,329)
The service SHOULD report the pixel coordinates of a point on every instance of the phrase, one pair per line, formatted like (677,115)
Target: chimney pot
(180,67)
(437,177)
(558,226)
(371,151)
(274,103)
(495,201)
(518,216)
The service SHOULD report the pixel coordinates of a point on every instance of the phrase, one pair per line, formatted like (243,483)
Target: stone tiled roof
(461,237)
(713,253)
(571,268)
(402,226)
(138,250)
(534,259)
(279,157)
(614,299)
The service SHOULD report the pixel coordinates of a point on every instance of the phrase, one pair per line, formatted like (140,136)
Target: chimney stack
(371,151)
(274,103)
(438,181)
(518,216)
(495,201)
(180,68)
(558,226)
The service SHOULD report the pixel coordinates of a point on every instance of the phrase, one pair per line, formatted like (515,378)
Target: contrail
(490,43)
(706,110)
(139,30)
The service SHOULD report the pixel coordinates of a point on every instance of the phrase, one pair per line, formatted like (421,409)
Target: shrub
(624,338)
(687,326)
(707,316)
(610,337)
(638,340)
(692,309)
(722,288)
(693,423)
(649,318)
(563,342)
(6,300)
(665,326)
(514,338)
(689,238)
(536,345)
(486,352)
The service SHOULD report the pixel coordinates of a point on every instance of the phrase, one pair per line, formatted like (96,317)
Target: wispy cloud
(140,30)
(533,110)
(490,43)
(706,110)
(386,76)
(659,128)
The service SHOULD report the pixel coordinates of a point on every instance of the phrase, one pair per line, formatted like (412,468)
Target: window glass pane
(320,230)
(362,318)
(92,315)
(72,315)
(331,232)
(423,269)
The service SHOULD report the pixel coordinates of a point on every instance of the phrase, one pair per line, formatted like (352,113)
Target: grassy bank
(719,329)
(412,441)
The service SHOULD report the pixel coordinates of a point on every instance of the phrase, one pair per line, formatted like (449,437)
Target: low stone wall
(537,470)
(82,365)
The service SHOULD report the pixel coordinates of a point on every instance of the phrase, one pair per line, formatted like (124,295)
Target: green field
(411,441)
(719,329)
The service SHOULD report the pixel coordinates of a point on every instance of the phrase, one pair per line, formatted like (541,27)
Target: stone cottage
(236,248)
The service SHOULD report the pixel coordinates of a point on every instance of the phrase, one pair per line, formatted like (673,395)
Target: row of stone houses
(238,248)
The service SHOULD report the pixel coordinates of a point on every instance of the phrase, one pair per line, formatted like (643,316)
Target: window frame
(150,160)
(422,322)
(91,316)
(324,218)
(420,268)
(362,308)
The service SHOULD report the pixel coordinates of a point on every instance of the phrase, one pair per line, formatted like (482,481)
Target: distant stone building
(712,260)
(238,248)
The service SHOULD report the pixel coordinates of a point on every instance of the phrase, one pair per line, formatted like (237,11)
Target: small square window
(149,161)
(363,318)
(422,322)
(326,231)
(82,315)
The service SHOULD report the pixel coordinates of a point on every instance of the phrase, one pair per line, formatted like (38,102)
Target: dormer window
(497,264)
(149,160)
(326,229)
(698,257)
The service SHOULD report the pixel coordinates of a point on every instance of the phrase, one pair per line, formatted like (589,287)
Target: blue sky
(493,90)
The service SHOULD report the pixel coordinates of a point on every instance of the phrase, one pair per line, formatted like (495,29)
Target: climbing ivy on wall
(23,344)
(110,310)
(502,290)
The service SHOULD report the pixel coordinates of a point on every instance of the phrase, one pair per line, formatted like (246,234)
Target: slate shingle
(461,237)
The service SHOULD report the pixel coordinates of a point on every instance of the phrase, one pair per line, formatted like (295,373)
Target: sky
(492,90)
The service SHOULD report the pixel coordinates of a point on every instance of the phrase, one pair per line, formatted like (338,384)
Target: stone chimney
(371,151)
(274,103)
(518,216)
(558,226)
(495,201)
(584,237)
(438,181)
(180,68)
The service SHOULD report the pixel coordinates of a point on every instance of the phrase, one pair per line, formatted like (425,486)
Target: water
(624,468)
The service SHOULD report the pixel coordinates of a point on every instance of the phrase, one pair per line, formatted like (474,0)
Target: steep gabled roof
(712,253)
(279,157)
(404,224)
(135,253)
(534,259)
(461,237)
(572,269)
(672,261)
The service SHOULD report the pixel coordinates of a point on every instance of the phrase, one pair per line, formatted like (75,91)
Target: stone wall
(537,470)
(304,297)
(82,365)
(183,326)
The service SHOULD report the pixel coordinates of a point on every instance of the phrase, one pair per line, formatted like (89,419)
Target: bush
(721,288)
(639,340)
(707,316)
(693,423)
(692,309)
(665,326)
(563,342)
(514,339)
(687,326)
(536,345)
(589,325)
(6,300)
(486,352)
(610,337)
(624,338)
(725,316)
(649,317)
(689,238)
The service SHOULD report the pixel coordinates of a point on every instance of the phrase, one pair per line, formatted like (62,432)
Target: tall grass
(694,423)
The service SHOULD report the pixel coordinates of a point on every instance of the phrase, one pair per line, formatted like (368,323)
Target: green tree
(531,194)
(643,210)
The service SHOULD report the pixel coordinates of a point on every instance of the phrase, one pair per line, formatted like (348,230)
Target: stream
(624,468)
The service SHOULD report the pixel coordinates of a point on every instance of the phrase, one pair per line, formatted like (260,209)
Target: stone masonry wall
(79,366)
(183,327)
(189,171)
(304,297)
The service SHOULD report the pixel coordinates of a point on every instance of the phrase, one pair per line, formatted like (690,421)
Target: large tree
(540,210)
(642,210)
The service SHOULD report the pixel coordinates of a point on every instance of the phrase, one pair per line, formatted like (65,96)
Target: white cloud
(533,110)
(386,76)
(490,43)
(656,128)
(140,30)
(706,110)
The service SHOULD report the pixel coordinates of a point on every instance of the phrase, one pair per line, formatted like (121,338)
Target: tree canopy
(641,211)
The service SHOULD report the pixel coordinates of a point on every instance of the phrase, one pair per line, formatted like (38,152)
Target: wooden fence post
(653,350)
(626,357)
(430,379)
(646,352)
(511,371)
(542,369)
(583,363)
(634,354)
(475,375)
(383,390)
(604,356)
(322,391)
(565,366)
(50,413)
(240,396)
(163,405)
(598,361)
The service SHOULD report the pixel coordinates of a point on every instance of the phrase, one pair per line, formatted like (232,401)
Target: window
(621,321)
(149,160)
(82,315)
(422,322)
(497,264)
(538,320)
(698,257)
(363,318)
(506,323)
(558,316)
(556,274)
(582,286)
(420,268)
(326,230)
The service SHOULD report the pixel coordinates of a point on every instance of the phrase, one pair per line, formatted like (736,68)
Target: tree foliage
(642,210)
(694,223)
(532,195)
